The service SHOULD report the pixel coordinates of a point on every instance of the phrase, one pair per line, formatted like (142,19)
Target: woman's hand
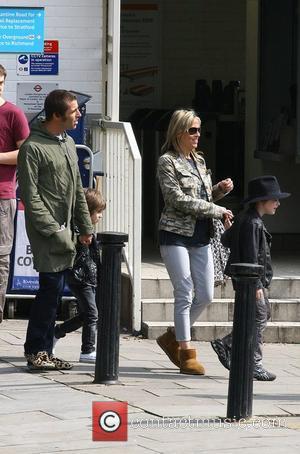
(227,223)
(227,215)
(227,218)
(226,186)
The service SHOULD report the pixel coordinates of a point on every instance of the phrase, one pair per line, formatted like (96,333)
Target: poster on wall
(139,57)
(45,64)
(31,95)
(24,277)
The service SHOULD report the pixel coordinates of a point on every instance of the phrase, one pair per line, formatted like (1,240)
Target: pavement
(51,412)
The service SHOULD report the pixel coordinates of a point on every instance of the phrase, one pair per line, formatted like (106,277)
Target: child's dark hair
(253,205)
(95,201)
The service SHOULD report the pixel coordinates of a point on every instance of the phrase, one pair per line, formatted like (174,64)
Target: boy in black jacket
(249,242)
(82,281)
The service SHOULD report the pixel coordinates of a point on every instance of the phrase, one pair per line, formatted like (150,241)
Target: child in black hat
(249,242)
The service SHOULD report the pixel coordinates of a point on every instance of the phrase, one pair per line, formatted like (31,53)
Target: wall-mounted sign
(31,96)
(21,29)
(140,83)
(45,64)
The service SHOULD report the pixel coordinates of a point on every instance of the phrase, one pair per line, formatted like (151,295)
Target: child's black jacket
(87,263)
(249,242)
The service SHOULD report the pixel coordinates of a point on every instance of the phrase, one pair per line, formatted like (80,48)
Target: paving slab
(168,412)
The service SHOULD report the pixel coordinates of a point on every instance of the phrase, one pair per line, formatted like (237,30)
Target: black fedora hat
(264,188)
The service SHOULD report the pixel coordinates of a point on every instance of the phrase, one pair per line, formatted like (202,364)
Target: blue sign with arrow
(22,30)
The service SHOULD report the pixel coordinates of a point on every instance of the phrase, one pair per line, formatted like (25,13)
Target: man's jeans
(42,318)
(87,317)
(7,214)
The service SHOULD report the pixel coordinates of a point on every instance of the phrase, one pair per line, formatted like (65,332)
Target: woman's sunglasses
(193,131)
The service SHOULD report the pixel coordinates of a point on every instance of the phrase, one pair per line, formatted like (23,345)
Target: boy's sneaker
(55,340)
(87,357)
(222,351)
(60,364)
(261,374)
(39,361)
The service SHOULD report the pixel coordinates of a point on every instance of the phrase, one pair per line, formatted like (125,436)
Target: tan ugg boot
(170,346)
(189,364)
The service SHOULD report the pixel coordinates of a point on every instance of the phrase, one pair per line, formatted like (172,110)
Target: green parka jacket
(51,190)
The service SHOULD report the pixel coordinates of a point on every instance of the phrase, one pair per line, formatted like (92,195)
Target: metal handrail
(122,189)
(89,161)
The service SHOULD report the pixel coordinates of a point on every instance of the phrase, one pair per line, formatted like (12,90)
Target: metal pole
(240,390)
(109,301)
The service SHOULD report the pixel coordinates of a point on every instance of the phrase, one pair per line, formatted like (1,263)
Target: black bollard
(240,390)
(109,302)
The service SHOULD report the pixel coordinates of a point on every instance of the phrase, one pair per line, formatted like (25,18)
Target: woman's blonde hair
(181,120)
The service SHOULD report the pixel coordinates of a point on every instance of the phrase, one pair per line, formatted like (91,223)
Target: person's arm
(221,189)
(82,218)
(217,193)
(10,157)
(20,131)
(37,212)
(175,197)
(249,242)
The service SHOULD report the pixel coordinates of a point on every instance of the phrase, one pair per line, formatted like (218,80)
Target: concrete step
(276,332)
(281,287)
(221,309)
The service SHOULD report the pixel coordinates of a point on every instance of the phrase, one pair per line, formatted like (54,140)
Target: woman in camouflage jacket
(185,229)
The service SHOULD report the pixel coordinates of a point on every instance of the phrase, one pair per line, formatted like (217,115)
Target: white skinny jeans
(191,271)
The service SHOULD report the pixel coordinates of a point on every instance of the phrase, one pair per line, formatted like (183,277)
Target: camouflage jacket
(181,188)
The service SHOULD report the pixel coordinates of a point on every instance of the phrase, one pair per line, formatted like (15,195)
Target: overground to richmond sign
(21,30)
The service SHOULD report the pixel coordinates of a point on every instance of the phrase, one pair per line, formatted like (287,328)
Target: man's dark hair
(3,71)
(56,103)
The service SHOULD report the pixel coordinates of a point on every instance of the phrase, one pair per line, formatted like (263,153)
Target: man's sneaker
(261,374)
(222,351)
(60,364)
(39,361)
(87,357)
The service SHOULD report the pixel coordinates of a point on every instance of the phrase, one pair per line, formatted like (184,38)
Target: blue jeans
(191,271)
(87,317)
(40,330)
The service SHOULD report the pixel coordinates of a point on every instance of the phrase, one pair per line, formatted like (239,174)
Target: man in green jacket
(51,190)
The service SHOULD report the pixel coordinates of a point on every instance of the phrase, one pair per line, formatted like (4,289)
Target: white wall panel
(78,26)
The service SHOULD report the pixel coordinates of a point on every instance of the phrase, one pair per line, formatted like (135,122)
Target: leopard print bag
(220,253)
